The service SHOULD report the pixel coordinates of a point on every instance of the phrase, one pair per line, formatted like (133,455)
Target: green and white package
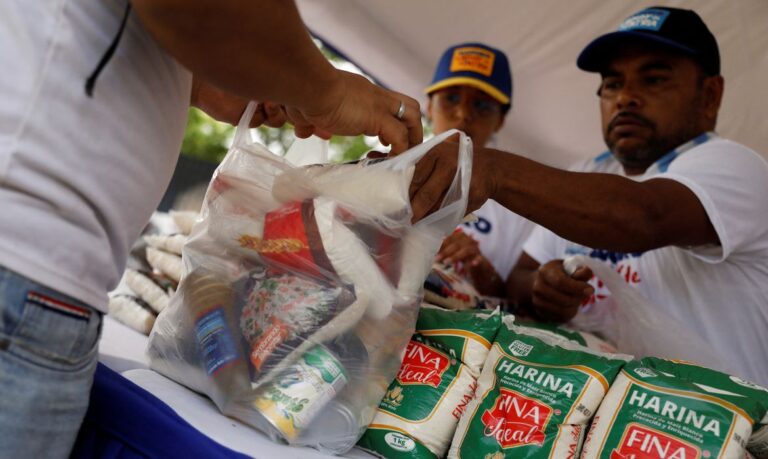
(465,335)
(535,396)
(419,412)
(584,338)
(661,409)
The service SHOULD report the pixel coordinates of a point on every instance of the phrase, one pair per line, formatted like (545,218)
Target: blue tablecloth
(125,421)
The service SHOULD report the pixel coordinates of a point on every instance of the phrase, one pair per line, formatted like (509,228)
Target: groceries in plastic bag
(465,335)
(300,289)
(638,327)
(664,409)
(535,396)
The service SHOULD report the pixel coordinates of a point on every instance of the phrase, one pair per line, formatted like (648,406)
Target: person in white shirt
(678,210)
(471,90)
(94,103)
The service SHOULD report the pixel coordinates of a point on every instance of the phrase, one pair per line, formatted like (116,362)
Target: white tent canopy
(554,117)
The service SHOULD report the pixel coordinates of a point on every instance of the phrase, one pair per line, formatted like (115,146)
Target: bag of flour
(535,396)
(581,337)
(465,335)
(660,409)
(419,412)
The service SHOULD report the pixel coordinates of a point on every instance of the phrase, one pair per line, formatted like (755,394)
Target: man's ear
(713,95)
(429,108)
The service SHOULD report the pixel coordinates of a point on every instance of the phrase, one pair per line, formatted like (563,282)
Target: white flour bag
(535,397)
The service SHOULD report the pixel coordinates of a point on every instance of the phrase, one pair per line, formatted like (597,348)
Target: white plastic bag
(300,289)
(637,326)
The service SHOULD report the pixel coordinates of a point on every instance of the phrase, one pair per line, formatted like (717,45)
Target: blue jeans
(48,354)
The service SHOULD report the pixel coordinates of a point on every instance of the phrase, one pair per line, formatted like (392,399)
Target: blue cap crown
(672,28)
(477,65)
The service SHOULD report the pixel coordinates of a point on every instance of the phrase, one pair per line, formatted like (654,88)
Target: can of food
(293,399)
(334,432)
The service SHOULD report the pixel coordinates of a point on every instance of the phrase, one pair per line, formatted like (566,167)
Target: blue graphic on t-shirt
(481,225)
(601,254)
(613,257)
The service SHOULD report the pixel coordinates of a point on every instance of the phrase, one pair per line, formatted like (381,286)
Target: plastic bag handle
(243,131)
(461,179)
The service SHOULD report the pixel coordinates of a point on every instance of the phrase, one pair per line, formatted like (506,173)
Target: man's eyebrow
(655,65)
(609,73)
(658,64)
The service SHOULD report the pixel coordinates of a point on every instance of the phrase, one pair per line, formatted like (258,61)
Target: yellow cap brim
(481,85)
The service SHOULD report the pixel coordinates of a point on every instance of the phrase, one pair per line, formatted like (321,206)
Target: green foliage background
(207,139)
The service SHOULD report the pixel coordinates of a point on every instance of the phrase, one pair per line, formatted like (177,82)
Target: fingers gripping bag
(300,288)
(465,335)
(661,409)
(535,396)
(638,327)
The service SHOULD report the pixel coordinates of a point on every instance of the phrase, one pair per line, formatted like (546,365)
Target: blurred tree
(205,138)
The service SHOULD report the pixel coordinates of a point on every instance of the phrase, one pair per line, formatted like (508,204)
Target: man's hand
(460,247)
(226,107)
(555,295)
(354,105)
(434,174)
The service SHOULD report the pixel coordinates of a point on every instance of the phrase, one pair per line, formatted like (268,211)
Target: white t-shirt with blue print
(500,235)
(720,292)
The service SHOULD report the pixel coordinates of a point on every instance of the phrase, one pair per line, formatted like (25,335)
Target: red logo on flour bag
(422,365)
(642,442)
(516,420)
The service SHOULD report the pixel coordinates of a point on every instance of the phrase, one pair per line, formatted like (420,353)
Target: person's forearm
(519,288)
(487,281)
(597,210)
(257,49)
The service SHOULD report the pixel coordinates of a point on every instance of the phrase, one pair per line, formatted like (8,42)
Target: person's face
(652,101)
(468,109)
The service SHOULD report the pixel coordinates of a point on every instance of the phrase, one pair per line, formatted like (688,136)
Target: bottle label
(215,340)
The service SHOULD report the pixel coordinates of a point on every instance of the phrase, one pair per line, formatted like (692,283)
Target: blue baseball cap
(672,28)
(476,65)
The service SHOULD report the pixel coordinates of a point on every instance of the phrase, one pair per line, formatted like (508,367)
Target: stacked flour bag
(584,338)
(665,409)
(164,254)
(436,381)
(535,396)
(465,335)
(141,296)
(144,293)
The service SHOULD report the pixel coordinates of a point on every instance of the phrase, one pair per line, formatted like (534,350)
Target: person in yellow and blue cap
(472,91)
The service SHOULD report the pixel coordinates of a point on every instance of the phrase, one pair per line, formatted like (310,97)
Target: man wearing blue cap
(679,211)
(472,91)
